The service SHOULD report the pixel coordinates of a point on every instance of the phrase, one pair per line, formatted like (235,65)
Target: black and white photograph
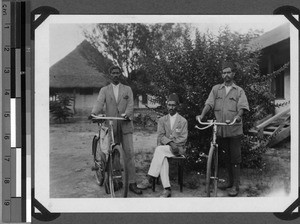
(165,113)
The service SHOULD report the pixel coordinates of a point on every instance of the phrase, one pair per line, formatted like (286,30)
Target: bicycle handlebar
(214,122)
(95,117)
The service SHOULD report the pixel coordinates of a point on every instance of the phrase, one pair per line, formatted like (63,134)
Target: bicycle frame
(213,153)
(100,120)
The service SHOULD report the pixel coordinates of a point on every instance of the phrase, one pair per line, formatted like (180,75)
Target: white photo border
(156,205)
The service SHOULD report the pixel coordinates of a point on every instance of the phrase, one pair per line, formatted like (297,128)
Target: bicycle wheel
(99,162)
(212,168)
(118,173)
(215,170)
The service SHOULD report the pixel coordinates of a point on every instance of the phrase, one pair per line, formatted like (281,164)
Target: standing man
(172,135)
(117,99)
(228,102)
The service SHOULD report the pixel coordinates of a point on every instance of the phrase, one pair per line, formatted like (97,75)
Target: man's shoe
(144,185)
(166,194)
(225,185)
(234,191)
(134,189)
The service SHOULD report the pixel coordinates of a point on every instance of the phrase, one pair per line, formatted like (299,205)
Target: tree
(160,59)
(119,42)
(131,46)
(192,68)
(60,108)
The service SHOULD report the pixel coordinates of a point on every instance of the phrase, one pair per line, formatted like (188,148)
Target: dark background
(197,7)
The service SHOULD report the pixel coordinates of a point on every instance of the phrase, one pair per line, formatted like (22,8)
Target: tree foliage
(132,46)
(60,108)
(165,58)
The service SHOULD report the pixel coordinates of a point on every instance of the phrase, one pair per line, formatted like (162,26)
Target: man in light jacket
(117,99)
(172,135)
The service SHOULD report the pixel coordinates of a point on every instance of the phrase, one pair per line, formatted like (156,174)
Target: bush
(252,149)
(192,67)
(59,108)
(168,59)
(144,120)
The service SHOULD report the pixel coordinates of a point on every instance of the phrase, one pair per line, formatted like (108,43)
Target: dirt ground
(71,161)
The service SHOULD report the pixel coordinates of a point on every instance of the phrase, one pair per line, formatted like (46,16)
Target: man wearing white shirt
(172,135)
(116,90)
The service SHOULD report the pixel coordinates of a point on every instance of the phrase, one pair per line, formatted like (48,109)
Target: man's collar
(113,85)
(173,115)
(223,85)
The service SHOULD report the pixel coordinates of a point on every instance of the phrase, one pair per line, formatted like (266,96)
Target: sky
(66,36)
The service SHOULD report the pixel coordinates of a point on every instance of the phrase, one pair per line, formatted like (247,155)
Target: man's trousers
(160,165)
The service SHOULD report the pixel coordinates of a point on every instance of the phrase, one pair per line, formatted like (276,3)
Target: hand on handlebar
(238,119)
(199,117)
(90,116)
(125,116)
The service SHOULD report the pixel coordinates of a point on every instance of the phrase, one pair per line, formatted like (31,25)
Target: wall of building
(84,103)
(287,93)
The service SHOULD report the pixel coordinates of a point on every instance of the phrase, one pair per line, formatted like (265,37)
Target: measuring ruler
(6,93)
(15,169)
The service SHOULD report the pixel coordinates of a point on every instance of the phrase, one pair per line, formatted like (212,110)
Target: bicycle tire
(215,168)
(118,173)
(98,162)
(211,166)
(94,145)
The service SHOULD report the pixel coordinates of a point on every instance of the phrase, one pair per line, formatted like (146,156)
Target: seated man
(171,139)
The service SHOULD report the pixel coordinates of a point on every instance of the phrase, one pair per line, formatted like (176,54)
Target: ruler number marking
(6,70)
(7,202)
(7,25)
(4,10)
(6,180)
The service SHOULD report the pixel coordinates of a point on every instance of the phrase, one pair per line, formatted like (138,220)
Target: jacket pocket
(218,103)
(232,104)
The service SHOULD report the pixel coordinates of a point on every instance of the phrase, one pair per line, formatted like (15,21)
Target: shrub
(164,58)
(193,67)
(252,149)
(59,108)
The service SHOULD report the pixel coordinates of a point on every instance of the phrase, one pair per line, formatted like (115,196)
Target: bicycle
(212,157)
(109,158)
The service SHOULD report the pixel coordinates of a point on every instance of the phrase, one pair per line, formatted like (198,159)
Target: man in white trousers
(172,135)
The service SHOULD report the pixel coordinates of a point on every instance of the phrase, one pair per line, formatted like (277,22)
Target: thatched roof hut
(75,71)
(80,74)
